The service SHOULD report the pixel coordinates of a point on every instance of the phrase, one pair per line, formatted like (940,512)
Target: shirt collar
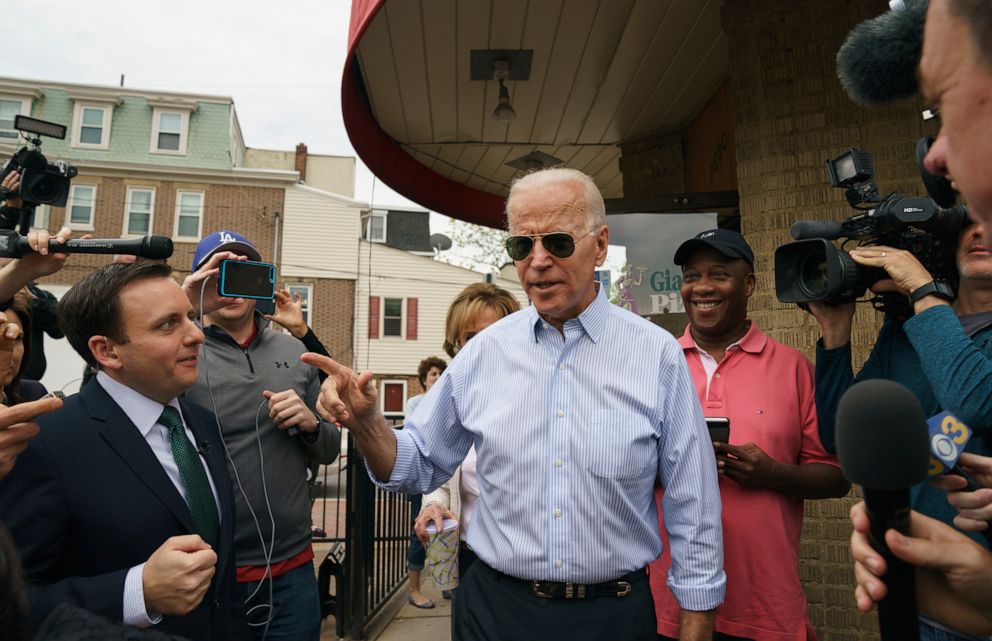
(752,342)
(592,319)
(143,411)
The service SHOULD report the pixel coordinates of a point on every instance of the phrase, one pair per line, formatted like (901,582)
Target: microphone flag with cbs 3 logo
(948,436)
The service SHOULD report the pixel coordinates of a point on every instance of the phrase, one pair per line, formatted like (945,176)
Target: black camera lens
(813,278)
(43,188)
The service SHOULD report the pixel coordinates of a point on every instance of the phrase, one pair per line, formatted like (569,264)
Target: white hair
(595,209)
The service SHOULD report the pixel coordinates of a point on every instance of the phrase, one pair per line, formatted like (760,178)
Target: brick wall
(332,316)
(790,114)
(248,210)
(653,165)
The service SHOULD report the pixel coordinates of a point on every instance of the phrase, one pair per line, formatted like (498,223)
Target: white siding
(398,274)
(320,234)
(65,367)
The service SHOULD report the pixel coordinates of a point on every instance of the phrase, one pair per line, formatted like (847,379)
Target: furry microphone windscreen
(877,63)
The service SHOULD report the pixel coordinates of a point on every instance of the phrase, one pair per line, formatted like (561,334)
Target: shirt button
(559,462)
(717,375)
(561,366)
(559,563)
(561,413)
(557,514)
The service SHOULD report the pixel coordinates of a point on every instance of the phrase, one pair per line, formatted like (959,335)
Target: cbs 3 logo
(946,445)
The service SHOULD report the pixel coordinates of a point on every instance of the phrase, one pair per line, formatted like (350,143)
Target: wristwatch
(936,288)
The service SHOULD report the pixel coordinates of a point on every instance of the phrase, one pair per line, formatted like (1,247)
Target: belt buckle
(575,591)
(543,589)
(625,588)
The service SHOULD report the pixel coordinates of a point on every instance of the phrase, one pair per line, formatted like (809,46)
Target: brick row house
(177,165)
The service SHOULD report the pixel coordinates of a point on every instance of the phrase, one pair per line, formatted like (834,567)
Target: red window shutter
(411,319)
(392,398)
(373,317)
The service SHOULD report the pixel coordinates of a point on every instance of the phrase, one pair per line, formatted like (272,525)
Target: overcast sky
(280,61)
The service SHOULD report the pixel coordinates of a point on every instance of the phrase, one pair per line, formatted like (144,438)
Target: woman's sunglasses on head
(559,244)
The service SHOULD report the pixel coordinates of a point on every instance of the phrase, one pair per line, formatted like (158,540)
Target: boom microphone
(806,229)
(882,444)
(13,245)
(877,63)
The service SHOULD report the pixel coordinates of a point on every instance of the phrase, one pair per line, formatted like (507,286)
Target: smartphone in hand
(247,279)
(719,427)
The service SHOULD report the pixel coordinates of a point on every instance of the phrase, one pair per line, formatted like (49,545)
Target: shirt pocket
(619,445)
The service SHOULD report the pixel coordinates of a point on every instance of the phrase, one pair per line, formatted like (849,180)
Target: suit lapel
(125,439)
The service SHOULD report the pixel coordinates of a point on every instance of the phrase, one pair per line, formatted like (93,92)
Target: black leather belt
(617,588)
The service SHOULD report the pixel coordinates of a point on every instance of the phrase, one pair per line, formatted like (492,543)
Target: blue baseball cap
(223,240)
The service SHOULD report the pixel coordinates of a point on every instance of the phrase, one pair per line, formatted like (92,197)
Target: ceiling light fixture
(504,111)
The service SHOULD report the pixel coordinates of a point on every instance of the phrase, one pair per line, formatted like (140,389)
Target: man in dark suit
(122,505)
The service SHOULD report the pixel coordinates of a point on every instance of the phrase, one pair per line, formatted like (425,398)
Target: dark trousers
(489,606)
(466,557)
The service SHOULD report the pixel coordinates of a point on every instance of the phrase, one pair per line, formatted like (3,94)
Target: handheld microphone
(806,229)
(877,63)
(882,446)
(13,245)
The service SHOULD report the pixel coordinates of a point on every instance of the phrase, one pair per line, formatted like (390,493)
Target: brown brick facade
(332,315)
(249,211)
(790,114)
(653,165)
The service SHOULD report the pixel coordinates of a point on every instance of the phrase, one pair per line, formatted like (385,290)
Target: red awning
(386,158)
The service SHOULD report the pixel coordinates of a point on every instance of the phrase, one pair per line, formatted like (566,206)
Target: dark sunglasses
(557,243)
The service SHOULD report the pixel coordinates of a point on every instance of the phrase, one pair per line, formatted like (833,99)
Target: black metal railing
(368,531)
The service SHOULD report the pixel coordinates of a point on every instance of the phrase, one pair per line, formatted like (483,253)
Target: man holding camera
(943,353)
(776,459)
(252,379)
(955,74)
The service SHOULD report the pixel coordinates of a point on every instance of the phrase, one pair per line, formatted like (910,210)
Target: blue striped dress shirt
(571,432)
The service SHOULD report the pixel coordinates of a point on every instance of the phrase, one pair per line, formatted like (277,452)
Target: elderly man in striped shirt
(575,407)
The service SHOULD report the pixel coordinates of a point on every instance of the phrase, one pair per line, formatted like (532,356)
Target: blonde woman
(477,307)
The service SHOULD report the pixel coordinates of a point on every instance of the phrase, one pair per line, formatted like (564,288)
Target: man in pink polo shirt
(774,458)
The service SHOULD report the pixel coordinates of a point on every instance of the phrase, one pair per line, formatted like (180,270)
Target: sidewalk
(415,624)
(409,623)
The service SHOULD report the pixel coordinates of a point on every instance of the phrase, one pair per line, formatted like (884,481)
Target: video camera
(814,269)
(42,182)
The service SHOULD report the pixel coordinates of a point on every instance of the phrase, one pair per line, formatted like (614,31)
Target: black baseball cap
(726,241)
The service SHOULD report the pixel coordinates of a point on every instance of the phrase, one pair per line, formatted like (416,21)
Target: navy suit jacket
(87,500)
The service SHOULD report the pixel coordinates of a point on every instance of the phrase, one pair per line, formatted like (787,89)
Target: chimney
(301,161)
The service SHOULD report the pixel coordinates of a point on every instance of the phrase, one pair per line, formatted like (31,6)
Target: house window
(169,131)
(306,296)
(393,398)
(189,215)
(91,126)
(392,317)
(375,230)
(9,108)
(138,211)
(80,206)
